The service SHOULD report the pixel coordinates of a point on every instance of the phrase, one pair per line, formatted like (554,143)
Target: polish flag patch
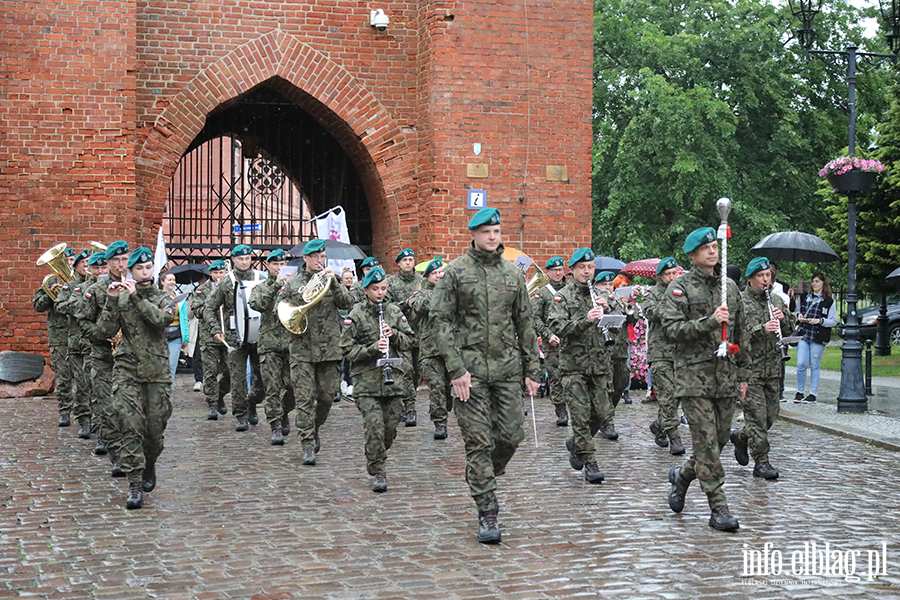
(404,318)
(348,322)
(537,296)
(87,294)
(557,298)
(677,292)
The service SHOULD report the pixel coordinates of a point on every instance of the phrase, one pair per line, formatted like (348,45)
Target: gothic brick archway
(374,142)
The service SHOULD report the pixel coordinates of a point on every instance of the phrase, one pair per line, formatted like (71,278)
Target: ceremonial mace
(723,205)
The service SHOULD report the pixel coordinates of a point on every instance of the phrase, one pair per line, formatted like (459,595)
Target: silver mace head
(723,205)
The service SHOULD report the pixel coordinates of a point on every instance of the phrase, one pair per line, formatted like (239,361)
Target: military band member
(68,303)
(142,379)
(485,332)
(660,357)
(368,263)
(692,317)
(97,267)
(430,361)
(214,355)
(58,340)
(274,355)
(584,361)
(363,343)
(401,287)
(222,325)
(618,354)
(315,353)
(763,393)
(541,302)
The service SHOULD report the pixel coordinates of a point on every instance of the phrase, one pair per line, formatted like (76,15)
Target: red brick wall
(101,98)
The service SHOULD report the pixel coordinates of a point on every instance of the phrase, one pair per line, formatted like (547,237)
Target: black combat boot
(84,431)
(626,398)
(64,420)
(575,462)
(488,528)
(592,473)
(609,432)
(116,470)
(440,432)
(252,417)
(658,435)
(722,519)
(285,424)
(220,406)
(149,477)
(100,449)
(740,448)
(277,438)
(380,483)
(676,448)
(213,414)
(135,496)
(562,415)
(242,425)
(309,456)
(679,489)
(318,445)
(411,418)
(765,470)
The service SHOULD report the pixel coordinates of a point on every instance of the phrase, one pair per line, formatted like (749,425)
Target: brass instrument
(537,281)
(386,362)
(780,344)
(55,258)
(295,318)
(607,339)
(97,247)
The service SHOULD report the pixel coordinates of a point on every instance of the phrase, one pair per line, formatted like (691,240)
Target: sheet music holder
(612,321)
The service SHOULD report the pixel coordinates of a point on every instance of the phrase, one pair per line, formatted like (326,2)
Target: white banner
(159,257)
(333,226)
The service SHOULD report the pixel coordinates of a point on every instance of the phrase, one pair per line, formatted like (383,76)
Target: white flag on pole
(159,257)
(333,226)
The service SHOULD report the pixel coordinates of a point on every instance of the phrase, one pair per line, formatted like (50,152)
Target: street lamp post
(852,395)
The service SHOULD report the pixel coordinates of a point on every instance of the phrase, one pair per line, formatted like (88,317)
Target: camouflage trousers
(59,360)
(275,368)
(315,387)
(439,398)
(710,425)
(215,363)
(105,420)
(409,402)
(241,404)
(145,409)
(620,379)
(81,396)
(663,373)
(491,426)
(761,406)
(381,416)
(589,408)
(551,363)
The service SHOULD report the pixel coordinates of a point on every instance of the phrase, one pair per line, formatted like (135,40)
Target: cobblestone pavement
(233,517)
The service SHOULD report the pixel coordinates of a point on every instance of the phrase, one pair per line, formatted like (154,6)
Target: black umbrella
(335,250)
(189,273)
(894,277)
(794,246)
(607,263)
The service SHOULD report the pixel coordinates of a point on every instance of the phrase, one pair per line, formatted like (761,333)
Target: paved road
(234,517)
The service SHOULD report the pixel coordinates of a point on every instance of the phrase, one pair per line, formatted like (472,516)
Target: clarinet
(780,344)
(607,339)
(388,380)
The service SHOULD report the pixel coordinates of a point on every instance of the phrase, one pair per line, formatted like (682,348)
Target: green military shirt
(688,322)
(420,311)
(541,303)
(401,286)
(359,344)
(765,360)
(223,296)
(143,353)
(198,305)
(68,303)
(659,348)
(273,337)
(95,299)
(57,322)
(320,341)
(484,319)
(582,346)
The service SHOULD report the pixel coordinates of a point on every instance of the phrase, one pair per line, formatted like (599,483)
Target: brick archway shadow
(375,144)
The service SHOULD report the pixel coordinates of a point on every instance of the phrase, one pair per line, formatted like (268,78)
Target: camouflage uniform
(761,403)
(58,340)
(621,374)
(400,288)
(541,303)
(584,364)
(705,384)
(659,355)
(213,353)
(224,296)
(431,362)
(274,357)
(379,404)
(485,326)
(315,354)
(67,303)
(142,380)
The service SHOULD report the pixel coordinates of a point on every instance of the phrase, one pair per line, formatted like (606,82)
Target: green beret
(116,249)
(83,255)
(369,261)
(375,275)
(697,238)
(276,255)
(760,263)
(140,255)
(69,252)
(218,265)
(485,216)
(313,246)
(403,254)
(242,250)
(605,277)
(556,261)
(582,255)
(97,258)
(433,266)
(665,264)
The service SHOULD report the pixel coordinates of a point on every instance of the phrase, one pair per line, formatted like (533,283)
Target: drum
(246,320)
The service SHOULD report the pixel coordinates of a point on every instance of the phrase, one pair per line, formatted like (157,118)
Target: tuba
(295,318)
(537,281)
(55,258)
(97,247)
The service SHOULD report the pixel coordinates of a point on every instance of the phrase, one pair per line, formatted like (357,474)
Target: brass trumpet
(55,258)
(295,318)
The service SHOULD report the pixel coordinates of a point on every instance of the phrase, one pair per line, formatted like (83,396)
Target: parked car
(867,325)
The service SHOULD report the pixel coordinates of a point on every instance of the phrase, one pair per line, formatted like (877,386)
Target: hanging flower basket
(850,174)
